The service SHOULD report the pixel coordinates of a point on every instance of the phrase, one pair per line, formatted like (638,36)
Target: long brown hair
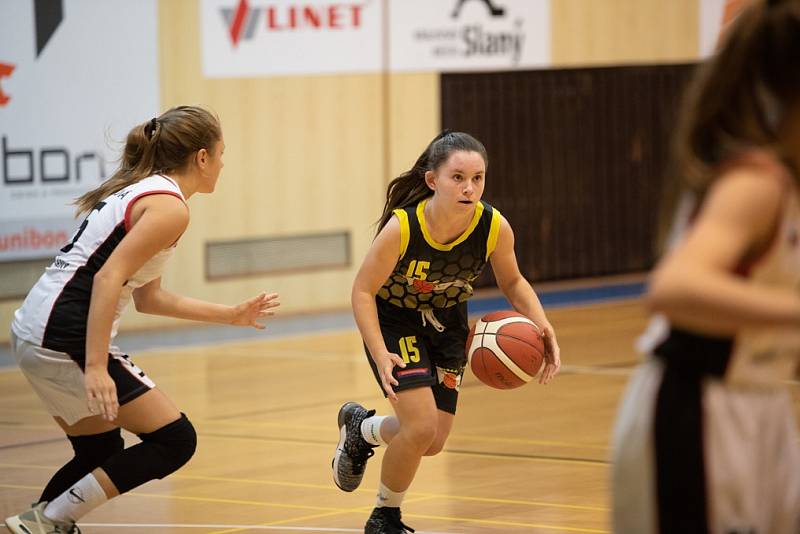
(410,187)
(739,98)
(161,145)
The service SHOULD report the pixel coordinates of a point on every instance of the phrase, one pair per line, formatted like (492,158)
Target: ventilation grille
(17,277)
(269,255)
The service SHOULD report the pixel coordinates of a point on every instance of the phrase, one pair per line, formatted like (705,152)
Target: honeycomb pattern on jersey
(424,294)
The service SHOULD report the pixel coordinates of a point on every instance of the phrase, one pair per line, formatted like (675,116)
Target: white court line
(248,527)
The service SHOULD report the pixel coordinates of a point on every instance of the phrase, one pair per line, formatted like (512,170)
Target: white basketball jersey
(56,309)
(769,356)
(756,357)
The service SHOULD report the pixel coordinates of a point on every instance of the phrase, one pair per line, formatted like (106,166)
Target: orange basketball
(505,349)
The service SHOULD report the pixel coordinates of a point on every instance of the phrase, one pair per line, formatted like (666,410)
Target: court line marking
(465,437)
(488,455)
(243,527)
(340,511)
(360,510)
(212,525)
(413,496)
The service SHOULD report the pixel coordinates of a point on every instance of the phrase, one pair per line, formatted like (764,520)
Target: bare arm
(376,268)
(695,285)
(154,299)
(161,221)
(523,298)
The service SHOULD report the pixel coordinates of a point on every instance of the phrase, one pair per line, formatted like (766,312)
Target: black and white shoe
(386,521)
(353,450)
(33,521)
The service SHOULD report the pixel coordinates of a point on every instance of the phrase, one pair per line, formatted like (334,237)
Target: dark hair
(410,187)
(160,145)
(736,100)
(740,97)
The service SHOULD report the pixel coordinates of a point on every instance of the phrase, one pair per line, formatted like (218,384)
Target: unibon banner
(469,35)
(75,76)
(250,38)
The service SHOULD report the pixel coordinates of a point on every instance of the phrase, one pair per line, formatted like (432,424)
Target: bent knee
(177,443)
(435,448)
(421,434)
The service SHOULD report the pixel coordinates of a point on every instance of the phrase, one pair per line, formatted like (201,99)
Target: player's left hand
(250,311)
(552,355)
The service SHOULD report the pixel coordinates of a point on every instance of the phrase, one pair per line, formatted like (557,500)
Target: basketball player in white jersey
(705,440)
(62,336)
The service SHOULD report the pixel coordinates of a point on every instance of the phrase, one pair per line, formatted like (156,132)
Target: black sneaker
(386,521)
(353,450)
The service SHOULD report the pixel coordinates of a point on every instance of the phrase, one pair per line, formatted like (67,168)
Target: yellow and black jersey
(430,275)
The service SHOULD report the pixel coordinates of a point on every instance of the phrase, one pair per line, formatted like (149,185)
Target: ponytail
(161,145)
(410,187)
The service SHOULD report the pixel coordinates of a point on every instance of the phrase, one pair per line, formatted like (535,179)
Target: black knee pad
(175,442)
(160,453)
(91,451)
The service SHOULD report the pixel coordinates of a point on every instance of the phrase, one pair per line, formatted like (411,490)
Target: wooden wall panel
(309,154)
(611,32)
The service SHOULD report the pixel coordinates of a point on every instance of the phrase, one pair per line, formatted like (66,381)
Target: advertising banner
(469,35)
(75,76)
(251,38)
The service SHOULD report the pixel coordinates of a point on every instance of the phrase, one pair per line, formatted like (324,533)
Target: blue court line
(564,297)
(138,341)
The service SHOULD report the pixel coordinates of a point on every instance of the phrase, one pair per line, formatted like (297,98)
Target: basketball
(505,349)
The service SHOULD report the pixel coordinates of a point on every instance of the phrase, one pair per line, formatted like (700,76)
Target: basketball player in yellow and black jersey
(409,299)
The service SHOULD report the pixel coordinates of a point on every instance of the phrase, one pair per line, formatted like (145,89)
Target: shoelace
(361,459)
(431,318)
(363,452)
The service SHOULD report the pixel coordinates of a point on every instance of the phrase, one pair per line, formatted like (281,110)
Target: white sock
(371,429)
(388,498)
(83,497)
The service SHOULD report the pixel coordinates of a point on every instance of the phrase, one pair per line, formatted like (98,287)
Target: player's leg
(360,429)
(168,441)
(419,424)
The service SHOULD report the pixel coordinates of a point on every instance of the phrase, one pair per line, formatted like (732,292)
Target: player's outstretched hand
(250,311)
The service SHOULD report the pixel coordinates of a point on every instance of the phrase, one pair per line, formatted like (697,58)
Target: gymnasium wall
(312,154)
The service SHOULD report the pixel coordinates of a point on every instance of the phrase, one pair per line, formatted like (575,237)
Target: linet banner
(469,35)
(252,38)
(75,76)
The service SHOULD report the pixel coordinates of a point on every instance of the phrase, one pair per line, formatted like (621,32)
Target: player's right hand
(101,393)
(385,363)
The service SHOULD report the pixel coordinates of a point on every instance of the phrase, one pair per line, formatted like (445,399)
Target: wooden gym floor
(533,459)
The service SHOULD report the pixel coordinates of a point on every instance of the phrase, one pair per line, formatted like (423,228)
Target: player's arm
(161,219)
(378,264)
(695,285)
(522,296)
(153,299)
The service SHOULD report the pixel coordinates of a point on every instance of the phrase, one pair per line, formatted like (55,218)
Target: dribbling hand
(552,356)
(250,311)
(385,363)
